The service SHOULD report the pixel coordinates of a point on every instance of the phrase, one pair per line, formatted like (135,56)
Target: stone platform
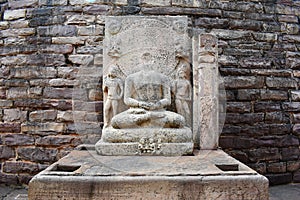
(206,175)
(124,142)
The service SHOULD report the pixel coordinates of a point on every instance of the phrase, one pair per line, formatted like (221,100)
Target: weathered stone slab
(40,127)
(206,84)
(181,11)
(81,59)
(81,19)
(57,30)
(156,2)
(17,32)
(68,40)
(62,82)
(18,139)
(42,115)
(10,115)
(142,66)
(37,154)
(53,3)
(207,175)
(46,20)
(14,14)
(6,152)
(91,30)
(14,4)
(80,2)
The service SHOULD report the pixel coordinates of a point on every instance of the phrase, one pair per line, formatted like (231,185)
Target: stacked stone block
(51,68)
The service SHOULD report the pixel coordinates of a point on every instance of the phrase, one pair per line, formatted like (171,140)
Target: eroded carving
(148,146)
(114,27)
(206,85)
(147,93)
(113,91)
(208,42)
(183,93)
(180,26)
(114,50)
(148,58)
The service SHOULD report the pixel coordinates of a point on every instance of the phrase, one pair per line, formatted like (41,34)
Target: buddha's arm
(128,92)
(166,100)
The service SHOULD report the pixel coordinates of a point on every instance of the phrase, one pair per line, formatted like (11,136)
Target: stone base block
(165,135)
(206,175)
(146,141)
(131,149)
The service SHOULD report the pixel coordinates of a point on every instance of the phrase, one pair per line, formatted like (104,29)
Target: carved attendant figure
(183,95)
(113,88)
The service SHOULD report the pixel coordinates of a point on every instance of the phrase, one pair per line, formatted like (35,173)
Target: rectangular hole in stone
(192,154)
(85,147)
(228,167)
(66,168)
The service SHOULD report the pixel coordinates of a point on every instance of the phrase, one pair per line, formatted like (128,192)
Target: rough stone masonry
(51,68)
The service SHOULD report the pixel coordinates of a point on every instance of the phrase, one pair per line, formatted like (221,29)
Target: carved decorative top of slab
(129,38)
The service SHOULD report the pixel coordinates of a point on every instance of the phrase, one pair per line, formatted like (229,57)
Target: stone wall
(51,68)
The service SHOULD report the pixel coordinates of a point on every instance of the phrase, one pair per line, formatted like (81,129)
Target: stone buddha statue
(146,70)
(147,93)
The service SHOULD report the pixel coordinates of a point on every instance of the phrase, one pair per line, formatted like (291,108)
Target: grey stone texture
(209,174)
(280,192)
(259,60)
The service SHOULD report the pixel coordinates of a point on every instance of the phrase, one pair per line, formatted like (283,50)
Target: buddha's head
(146,60)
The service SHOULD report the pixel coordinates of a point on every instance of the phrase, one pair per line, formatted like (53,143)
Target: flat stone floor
(285,192)
(13,193)
(279,192)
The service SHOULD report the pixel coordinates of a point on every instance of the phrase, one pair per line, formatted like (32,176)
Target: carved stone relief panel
(161,44)
(147,87)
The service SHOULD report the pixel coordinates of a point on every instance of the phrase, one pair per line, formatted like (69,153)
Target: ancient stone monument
(140,55)
(161,122)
